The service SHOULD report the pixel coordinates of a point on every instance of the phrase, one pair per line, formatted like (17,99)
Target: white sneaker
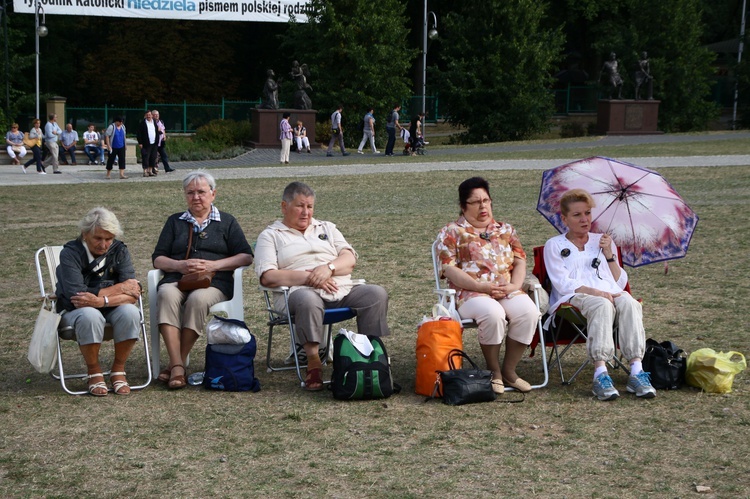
(376,152)
(360,152)
(42,173)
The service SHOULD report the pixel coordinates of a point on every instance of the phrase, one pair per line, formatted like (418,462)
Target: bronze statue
(300,74)
(643,77)
(270,98)
(612,76)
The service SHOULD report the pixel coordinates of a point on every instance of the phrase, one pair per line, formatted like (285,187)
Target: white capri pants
(517,317)
(302,143)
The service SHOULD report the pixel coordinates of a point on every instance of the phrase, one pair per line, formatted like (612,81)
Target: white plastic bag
(221,331)
(43,346)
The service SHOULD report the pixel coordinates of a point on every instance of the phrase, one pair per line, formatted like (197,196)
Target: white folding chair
(234,309)
(47,276)
(283,317)
(447,298)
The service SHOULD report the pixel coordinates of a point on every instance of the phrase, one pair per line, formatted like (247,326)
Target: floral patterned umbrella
(645,216)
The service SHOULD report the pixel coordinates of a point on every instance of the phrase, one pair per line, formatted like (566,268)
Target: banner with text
(274,11)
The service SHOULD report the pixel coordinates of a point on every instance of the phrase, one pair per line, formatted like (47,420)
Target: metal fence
(178,117)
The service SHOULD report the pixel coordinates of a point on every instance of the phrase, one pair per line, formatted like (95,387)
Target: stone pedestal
(627,117)
(265,125)
(55,105)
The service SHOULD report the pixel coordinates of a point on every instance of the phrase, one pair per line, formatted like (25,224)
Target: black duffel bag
(666,363)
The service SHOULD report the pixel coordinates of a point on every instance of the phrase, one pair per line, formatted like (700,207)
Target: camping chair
(47,286)
(284,317)
(447,298)
(568,327)
(234,309)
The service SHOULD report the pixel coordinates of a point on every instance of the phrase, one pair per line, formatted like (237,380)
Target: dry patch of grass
(285,442)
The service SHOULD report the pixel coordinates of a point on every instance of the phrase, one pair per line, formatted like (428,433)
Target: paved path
(262,163)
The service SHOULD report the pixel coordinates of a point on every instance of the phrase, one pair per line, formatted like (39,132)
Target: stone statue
(270,99)
(611,75)
(300,74)
(643,77)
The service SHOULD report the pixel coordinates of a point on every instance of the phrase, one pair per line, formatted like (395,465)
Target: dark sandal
(164,375)
(313,380)
(177,381)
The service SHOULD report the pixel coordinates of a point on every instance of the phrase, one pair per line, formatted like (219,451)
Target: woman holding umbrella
(583,269)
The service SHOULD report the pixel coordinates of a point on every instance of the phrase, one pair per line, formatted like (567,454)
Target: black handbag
(666,363)
(465,386)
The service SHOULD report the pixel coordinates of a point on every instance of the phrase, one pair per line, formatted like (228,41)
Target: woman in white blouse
(583,269)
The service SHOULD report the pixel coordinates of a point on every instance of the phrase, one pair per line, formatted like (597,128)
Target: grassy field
(284,442)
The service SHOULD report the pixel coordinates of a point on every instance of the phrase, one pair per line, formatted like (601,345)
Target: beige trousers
(601,316)
(517,316)
(186,310)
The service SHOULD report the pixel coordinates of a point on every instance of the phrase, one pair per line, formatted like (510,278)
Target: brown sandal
(177,381)
(313,380)
(164,375)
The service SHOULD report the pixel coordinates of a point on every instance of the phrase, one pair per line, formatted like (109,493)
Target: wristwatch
(332,267)
(610,260)
(106,301)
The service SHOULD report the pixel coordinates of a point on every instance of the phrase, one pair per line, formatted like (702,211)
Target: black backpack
(356,377)
(666,363)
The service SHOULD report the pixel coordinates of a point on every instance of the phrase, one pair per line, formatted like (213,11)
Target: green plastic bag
(713,371)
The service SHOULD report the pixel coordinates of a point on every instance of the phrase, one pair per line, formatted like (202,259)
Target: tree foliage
(357,55)
(498,59)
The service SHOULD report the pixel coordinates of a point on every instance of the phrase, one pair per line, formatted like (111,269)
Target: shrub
(571,129)
(221,134)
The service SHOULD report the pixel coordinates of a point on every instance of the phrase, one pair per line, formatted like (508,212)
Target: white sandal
(99,384)
(119,384)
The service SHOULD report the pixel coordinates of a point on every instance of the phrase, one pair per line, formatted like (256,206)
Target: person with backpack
(390,127)
(114,137)
(368,132)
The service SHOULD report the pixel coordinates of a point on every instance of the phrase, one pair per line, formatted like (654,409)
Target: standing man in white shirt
(148,138)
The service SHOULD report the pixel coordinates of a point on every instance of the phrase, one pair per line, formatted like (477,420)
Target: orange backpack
(436,337)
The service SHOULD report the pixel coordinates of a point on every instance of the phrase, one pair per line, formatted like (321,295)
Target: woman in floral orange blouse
(484,262)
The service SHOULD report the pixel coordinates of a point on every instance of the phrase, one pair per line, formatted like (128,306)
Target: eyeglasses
(479,202)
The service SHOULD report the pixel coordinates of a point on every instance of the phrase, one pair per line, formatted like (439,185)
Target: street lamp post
(40,30)
(431,34)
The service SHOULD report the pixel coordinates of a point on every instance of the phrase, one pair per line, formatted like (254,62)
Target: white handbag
(43,346)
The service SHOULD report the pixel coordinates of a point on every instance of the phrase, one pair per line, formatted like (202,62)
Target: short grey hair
(100,218)
(199,175)
(295,189)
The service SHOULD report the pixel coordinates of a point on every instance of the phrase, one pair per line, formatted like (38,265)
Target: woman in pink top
(285,136)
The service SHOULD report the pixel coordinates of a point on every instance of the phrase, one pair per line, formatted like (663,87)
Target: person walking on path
(337,132)
(115,139)
(368,132)
(285,136)
(390,127)
(161,144)
(51,133)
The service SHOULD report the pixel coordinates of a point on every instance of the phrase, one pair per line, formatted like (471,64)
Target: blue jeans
(71,151)
(93,150)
